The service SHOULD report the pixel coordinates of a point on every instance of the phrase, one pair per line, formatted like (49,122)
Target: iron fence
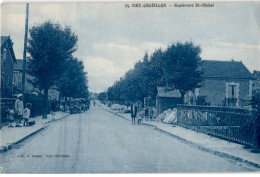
(233,124)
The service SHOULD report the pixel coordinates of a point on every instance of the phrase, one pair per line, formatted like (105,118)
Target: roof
(225,69)
(19,65)
(3,39)
(168,92)
(7,39)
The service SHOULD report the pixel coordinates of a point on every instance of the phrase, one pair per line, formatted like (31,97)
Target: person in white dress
(18,107)
(26,114)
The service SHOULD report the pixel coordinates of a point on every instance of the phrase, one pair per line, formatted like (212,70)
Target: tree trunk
(182,97)
(65,104)
(69,102)
(46,104)
(59,101)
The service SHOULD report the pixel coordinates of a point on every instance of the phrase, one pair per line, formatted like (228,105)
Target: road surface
(98,141)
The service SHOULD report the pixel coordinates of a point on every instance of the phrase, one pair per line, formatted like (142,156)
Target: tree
(102,97)
(181,67)
(73,82)
(49,47)
(255,102)
(178,65)
(139,82)
(153,74)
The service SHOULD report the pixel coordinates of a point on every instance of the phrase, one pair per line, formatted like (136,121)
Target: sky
(113,38)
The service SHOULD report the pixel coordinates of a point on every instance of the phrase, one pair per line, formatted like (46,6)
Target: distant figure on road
(133,113)
(146,112)
(18,107)
(94,103)
(139,118)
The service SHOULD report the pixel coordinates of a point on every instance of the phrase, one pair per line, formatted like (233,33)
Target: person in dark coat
(133,113)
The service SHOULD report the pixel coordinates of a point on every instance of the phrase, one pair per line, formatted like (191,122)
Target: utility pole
(25,47)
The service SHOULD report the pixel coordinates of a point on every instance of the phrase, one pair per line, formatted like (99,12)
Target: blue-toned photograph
(130,87)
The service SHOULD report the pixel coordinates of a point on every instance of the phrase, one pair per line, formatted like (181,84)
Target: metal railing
(233,124)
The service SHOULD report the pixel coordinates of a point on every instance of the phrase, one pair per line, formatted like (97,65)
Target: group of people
(64,107)
(135,114)
(19,115)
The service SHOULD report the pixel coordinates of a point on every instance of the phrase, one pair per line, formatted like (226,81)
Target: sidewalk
(10,136)
(201,141)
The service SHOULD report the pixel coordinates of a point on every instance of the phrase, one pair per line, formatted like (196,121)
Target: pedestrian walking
(61,108)
(26,114)
(18,107)
(151,114)
(139,118)
(133,113)
(146,114)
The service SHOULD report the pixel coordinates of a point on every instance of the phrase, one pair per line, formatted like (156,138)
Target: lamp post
(25,47)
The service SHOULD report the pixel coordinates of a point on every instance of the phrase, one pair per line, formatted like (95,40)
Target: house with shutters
(17,78)
(7,62)
(226,83)
(17,82)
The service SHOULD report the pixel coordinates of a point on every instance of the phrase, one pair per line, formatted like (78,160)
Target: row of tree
(178,66)
(51,63)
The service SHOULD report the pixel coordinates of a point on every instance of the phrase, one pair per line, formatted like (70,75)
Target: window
(15,78)
(232,90)
(232,94)
(4,54)
(3,78)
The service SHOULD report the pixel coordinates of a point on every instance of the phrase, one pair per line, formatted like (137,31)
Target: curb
(10,146)
(218,153)
(3,149)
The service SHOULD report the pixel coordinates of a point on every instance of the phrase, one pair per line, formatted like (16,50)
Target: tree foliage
(178,65)
(50,60)
(49,46)
(102,97)
(73,82)
(255,102)
(181,66)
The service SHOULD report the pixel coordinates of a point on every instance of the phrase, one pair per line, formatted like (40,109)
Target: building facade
(7,62)
(17,78)
(167,98)
(17,82)
(256,85)
(226,83)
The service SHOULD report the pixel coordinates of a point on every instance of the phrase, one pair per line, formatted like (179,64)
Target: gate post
(229,128)
(178,114)
(255,138)
(197,121)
